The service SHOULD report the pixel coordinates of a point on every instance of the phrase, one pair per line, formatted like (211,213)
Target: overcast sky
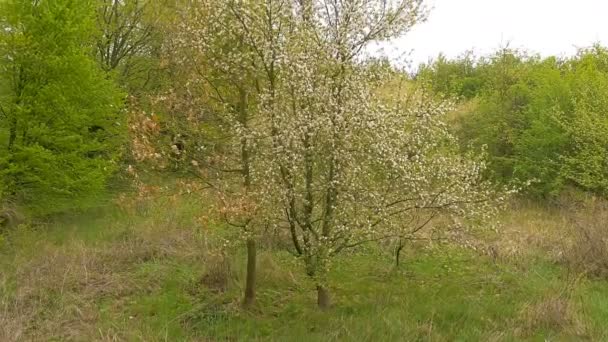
(548,27)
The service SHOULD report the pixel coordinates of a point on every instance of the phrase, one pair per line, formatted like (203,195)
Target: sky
(547,27)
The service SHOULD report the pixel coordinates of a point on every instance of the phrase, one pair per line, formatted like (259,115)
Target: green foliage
(129,41)
(516,119)
(62,127)
(541,119)
(459,77)
(587,125)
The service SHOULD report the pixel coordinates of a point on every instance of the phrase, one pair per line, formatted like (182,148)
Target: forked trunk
(251,274)
(323,300)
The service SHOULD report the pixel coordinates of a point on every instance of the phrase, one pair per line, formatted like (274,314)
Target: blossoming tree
(345,168)
(224,53)
(316,152)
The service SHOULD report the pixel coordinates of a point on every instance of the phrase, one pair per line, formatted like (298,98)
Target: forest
(210,170)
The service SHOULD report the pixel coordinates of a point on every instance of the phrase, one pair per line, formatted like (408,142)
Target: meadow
(154,272)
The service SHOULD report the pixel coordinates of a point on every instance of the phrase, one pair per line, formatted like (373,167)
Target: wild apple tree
(223,53)
(316,152)
(344,168)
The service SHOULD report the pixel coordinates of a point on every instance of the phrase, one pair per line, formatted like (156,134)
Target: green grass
(155,275)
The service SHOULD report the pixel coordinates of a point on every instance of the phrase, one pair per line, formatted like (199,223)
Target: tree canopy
(61,126)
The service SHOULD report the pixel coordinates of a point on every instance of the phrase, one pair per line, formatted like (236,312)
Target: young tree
(217,98)
(59,124)
(317,153)
(332,154)
(346,169)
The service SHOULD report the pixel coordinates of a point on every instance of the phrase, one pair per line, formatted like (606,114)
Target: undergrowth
(158,274)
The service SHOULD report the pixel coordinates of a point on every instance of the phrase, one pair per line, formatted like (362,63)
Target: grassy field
(155,273)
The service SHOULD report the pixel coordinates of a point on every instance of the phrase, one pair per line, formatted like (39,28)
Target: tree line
(541,119)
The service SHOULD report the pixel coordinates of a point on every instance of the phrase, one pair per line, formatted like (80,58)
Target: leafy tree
(587,125)
(130,39)
(497,119)
(516,115)
(457,78)
(60,126)
(542,140)
(219,79)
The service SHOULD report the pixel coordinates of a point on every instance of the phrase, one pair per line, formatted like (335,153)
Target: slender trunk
(323,300)
(20,85)
(398,252)
(251,274)
(249,298)
(12,133)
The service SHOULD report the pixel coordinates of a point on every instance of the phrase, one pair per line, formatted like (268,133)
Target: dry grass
(588,250)
(556,311)
(11,320)
(54,294)
(575,235)
(61,291)
(10,217)
(54,291)
(527,230)
(218,273)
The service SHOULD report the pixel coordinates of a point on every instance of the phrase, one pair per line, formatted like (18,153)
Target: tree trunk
(245,164)
(251,274)
(398,252)
(323,300)
(12,133)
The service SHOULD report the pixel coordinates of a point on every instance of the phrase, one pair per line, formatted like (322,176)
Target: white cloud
(548,27)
